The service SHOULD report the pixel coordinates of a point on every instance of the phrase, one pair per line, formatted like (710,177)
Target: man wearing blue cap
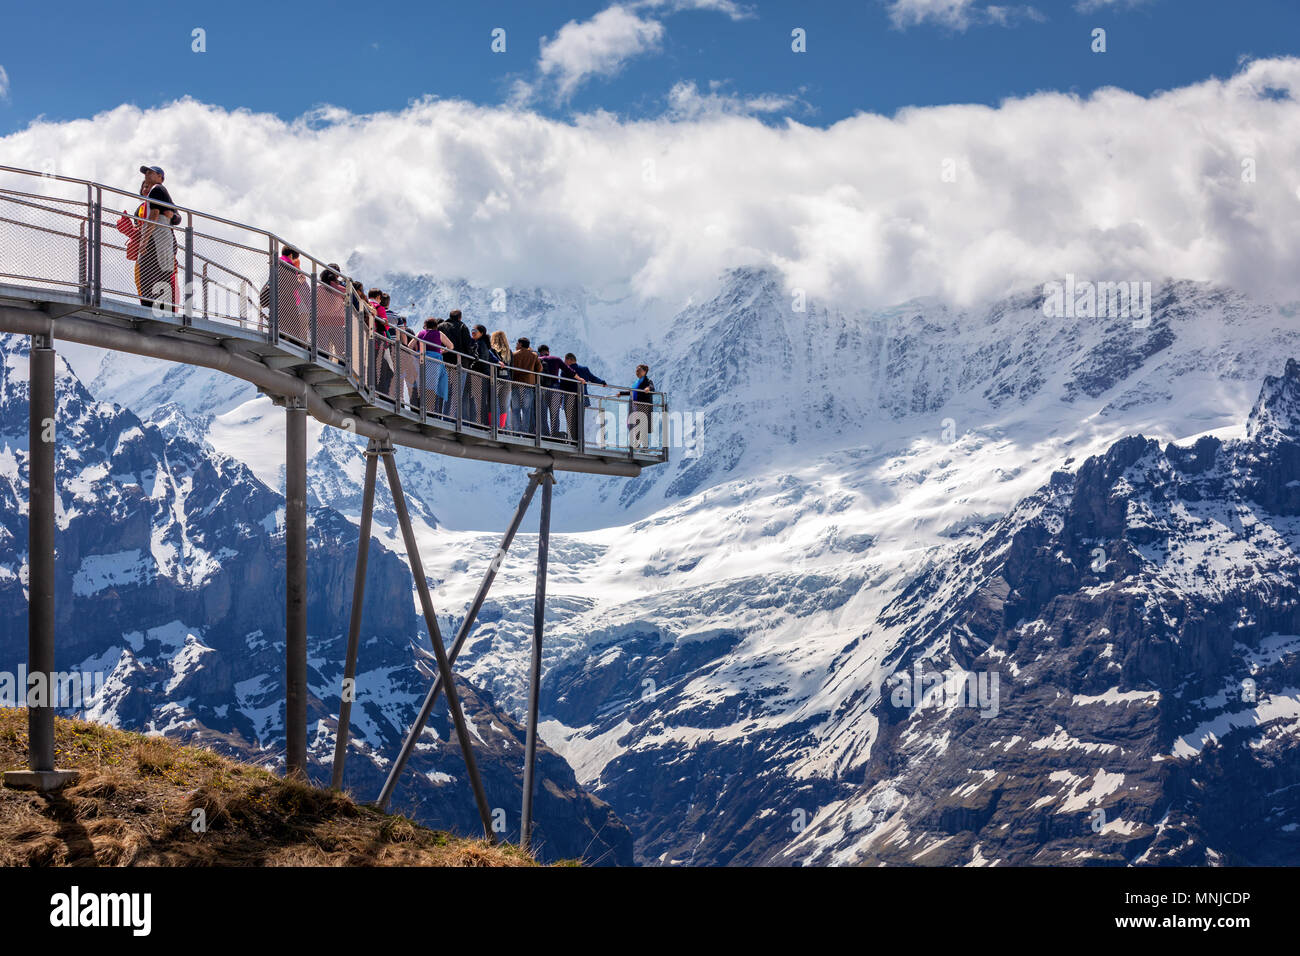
(156,266)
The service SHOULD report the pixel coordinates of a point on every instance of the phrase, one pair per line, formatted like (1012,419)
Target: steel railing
(218,272)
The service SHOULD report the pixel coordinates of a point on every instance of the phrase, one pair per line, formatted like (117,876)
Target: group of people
(457,372)
(464,373)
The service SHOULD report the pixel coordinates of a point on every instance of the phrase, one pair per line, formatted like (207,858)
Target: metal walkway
(230,302)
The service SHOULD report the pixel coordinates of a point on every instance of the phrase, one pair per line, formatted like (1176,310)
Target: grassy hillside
(134,805)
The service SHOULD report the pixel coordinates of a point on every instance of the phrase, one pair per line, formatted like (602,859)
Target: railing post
(492,400)
(87,232)
(83,258)
(347,330)
(580,406)
(537,410)
(372,360)
(461,383)
(663,434)
(424,391)
(312,326)
(97,249)
(273,288)
(187,313)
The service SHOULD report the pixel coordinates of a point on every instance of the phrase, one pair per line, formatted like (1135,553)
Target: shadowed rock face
(170,584)
(1143,619)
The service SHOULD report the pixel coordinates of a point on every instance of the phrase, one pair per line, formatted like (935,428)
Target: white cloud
(686,101)
(1091,6)
(601,46)
(1115,186)
(957,14)
(735,11)
(596,47)
(4,84)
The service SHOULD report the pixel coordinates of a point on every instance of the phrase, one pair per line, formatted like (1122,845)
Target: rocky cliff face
(1139,624)
(170,584)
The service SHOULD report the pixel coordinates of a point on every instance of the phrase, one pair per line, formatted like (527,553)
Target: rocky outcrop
(1140,619)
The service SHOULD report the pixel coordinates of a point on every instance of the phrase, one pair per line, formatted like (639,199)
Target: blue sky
(866,56)
(643,146)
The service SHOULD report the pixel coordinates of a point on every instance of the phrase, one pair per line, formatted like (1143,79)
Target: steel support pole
(354,625)
(295,591)
(187,315)
(535,675)
(40,554)
(435,638)
(408,745)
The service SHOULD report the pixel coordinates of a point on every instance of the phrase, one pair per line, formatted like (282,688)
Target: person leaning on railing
(385,344)
(559,390)
(524,365)
(434,344)
(500,346)
(640,408)
(330,325)
(294,296)
(485,358)
(462,346)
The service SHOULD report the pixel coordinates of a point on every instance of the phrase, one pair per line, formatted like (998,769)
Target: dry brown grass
(135,800)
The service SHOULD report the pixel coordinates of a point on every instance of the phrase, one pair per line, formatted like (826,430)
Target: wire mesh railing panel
(521,420)
(43,240)
(437,386)
(293,302)
(477,398)
(502,394)
(231,282)
(552,422)
(626,420)
(358,341)
(384,351)
(331,325)
(139,260)
(408,371)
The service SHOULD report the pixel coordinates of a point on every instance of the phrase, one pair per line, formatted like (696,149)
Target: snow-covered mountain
(1142,616)
(718,627)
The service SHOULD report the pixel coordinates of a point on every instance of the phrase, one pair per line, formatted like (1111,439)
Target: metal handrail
(297,290)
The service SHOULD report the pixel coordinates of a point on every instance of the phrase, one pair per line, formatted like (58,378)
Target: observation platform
(234,305)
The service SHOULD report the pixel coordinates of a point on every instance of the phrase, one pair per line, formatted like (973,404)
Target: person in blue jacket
(584,373)
(641,408)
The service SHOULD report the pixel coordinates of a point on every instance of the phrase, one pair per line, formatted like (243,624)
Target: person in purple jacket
(559,388)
